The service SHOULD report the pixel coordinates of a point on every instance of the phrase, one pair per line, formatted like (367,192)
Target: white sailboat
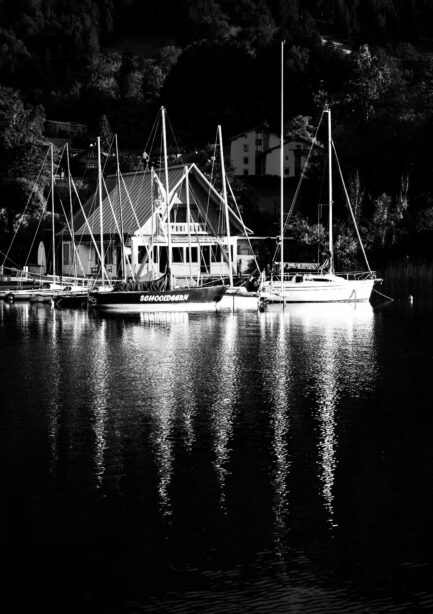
(324,285)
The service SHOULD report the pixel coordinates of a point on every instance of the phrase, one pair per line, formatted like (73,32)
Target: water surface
(249,462)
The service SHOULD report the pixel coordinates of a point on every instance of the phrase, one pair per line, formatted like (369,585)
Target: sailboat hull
(331,289)
(181,299)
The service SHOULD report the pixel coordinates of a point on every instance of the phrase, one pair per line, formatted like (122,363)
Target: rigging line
(304,172)
(130,202)
(172,132)
(351,210)
(10,259)
(41,216)
(151,139)
(243,225)
(301,179)
(91,236)
(381,294)
(211,179)
(71,233)
(115,221)
(26,207)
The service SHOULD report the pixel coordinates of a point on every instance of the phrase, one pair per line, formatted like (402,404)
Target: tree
(368,84)
(23,178)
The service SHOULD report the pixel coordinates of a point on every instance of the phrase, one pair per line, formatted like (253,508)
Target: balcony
(195,228)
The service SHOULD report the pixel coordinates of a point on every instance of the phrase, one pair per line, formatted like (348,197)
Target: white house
(294,158)
(137,212)
(257,152)
(247,150)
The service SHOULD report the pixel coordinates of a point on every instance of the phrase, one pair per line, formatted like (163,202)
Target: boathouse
(123,229)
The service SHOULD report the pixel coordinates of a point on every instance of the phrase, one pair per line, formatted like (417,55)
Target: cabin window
(194,255)
(216,254)
(142,254)
(177,254)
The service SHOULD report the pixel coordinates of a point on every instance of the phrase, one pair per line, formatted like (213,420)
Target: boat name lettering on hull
(167,298)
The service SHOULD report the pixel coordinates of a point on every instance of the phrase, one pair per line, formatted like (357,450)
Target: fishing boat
(150,296)
(160,294)
(321,284)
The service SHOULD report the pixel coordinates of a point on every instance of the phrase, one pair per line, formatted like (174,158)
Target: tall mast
(282,172)
(101,220)
(122,242)
(52,210)
(188,221)
(331,240)
(226,207)
(74,257)
(164,141)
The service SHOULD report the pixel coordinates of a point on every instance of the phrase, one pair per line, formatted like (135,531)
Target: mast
(164,140)
(122,242)
(226,207)
(331,239)
(74,257)
(282,172)
(52,210)
(101,220)
(188,221)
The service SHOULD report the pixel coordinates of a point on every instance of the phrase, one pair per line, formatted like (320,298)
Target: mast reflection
(223,409)
(276,369)
(99,394)
(335,354)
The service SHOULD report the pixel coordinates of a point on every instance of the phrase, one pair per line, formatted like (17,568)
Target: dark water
(256,462)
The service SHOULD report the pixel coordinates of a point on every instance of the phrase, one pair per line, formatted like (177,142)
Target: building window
(246,160)
(177,253)
(109,254)
(259,142)
(258,148)
(246,148)
(246,171)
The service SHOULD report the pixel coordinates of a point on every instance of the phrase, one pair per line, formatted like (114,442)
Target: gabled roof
(130,207)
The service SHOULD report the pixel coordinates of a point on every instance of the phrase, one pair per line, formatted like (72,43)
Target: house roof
(130,207)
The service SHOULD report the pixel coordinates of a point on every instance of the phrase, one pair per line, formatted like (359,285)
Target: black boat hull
(181,299)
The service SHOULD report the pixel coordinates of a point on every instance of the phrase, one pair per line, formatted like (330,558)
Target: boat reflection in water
(321,355)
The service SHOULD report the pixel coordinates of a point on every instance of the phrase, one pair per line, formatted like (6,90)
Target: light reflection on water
(221,441)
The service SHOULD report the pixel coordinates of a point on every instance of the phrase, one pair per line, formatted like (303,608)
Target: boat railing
(357,275)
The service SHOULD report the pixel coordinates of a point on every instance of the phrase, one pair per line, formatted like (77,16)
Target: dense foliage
(217,61)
